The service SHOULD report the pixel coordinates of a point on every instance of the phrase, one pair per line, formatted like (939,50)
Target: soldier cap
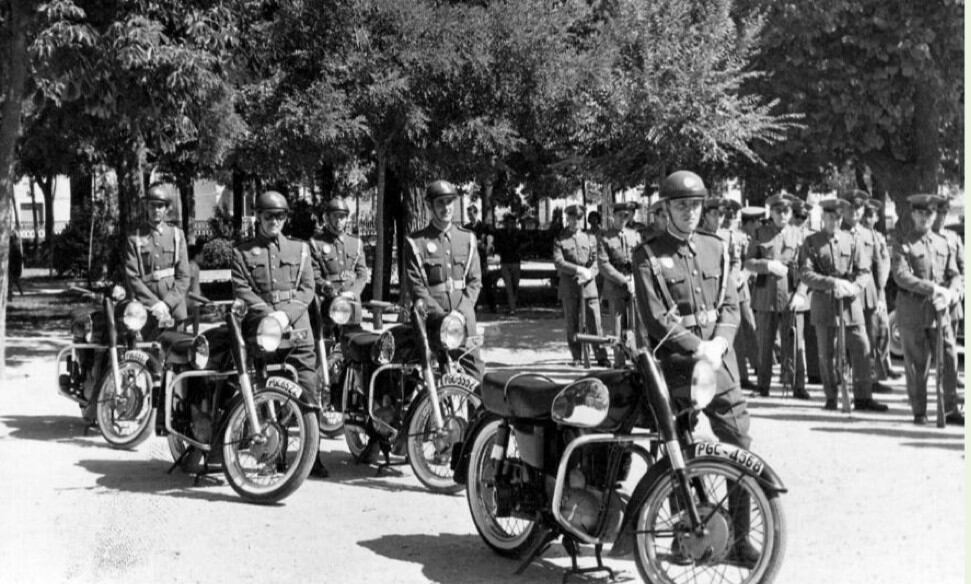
(682,184)
(752,212)
(856,197)
(626,206)
(874,205)
(159,192)
(575,210)
(716,203)
(780,200)
(925,202)
(944,205)
(440,189)
(835,205)
(272,200)
(336,205)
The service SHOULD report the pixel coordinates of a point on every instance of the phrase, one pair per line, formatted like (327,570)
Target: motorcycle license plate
(742,457)
(460,380)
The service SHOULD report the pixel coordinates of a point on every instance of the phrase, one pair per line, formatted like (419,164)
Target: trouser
(304,359)
(571,313)
(728,411)
(878,333)
(746,341)
(618,308)
(488,292)
(857,349)
(767,324)
(510,280)
(919,346)
(812,352)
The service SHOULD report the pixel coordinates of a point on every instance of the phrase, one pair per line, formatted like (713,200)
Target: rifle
(939,355)
(842,366)
(790,360)
(583,329)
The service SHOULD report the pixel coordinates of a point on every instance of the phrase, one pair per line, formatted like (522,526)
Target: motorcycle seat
(176,346)
(513,395)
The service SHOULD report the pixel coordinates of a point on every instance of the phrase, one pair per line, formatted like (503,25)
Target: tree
(880,82)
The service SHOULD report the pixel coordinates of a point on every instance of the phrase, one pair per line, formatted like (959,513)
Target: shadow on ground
(60,429)
(451,558)
(150,476)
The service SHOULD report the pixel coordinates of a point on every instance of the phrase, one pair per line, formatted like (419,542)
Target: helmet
(160,193)
(439,189)
(271,200)
(683,184)
(336,205)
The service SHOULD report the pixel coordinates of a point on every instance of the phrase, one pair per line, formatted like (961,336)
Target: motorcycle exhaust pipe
(109,308)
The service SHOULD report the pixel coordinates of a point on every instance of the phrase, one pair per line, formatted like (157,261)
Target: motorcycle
(330,363)
(546,460)
(404,395)
(228,400)
(106,368)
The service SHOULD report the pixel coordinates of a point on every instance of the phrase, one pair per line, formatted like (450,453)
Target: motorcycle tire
(331,423)
(126,418)
(507,536)
(666,550)
(356,438)
(430,452)
(269,469)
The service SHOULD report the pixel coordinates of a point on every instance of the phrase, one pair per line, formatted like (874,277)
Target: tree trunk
(188,200)
(239,197)
(33,214)
(82,184)
(13,74)
(900,180)
(378,284)
(131,186)
(487,184)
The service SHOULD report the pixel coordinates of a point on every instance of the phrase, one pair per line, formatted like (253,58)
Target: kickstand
(386,452)
(571,548)
(541,546)
(180,459)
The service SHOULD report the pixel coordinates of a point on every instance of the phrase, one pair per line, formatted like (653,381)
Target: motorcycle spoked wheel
(666,551)
(507,536)
(430,452)
(126,417)
(331,422)
(268,468)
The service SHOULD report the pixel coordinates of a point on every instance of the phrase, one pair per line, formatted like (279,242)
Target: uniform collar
(334,235)
(685,244)
(155,229)
(266,240)
(439,231)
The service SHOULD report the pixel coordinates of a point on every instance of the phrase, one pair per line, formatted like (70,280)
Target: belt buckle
(702,318)
(449,285)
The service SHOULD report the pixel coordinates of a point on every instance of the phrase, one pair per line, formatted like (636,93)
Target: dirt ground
(872,498)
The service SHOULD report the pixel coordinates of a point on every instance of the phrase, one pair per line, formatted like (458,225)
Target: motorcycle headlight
(81,328)
(383,351)
(340,310)
(135,316)
(583,404)
(452,332)
(703,384)
(117,293)
(269,334)
(200,352)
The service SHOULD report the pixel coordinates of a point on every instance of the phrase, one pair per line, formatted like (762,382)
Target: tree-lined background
(534,96)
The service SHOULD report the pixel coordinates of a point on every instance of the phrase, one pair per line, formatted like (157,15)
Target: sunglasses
(275,215)
(157,205)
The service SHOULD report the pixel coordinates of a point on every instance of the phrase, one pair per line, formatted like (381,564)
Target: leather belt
(162,274)
(278,296)
(701,318)
(447,286)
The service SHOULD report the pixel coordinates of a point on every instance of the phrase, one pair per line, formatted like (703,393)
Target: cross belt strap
(162,274)
(700,319)
(278,296)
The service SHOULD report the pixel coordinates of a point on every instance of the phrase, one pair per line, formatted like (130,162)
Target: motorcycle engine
(581,507)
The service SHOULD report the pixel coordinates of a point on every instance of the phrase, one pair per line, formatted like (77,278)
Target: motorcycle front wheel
(729,503)
(126,417)
(507,536)
(430,450)
(270,466)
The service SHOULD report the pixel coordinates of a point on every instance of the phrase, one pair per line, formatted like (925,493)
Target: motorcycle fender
(462,451)
(697,452)
(292,388)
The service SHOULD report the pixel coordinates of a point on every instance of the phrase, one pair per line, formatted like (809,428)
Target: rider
(442,266)
(157,264)
(338,257)
(686,299)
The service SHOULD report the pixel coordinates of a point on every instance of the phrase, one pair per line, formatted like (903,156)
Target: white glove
(584,275)
(798,301)
(942,298)
(777,268)
(160,311)
(712,351)
(845,289)
(281,317)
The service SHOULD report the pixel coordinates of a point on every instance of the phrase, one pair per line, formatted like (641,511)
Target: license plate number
(742,457)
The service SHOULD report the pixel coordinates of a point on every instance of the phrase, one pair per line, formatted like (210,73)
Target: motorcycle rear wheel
(126,418)
(269,468)
(667,552)
(507,536)
(430,452)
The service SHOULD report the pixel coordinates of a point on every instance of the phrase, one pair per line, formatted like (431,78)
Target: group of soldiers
(776,271)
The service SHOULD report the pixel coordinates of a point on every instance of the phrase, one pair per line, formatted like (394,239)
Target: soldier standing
(274,276)
(831,264)
(927,276)
(772,255)
(442,266)
(157,265)
(614,249)
(874,266)
(880,336)
(956,247)
(338,257)
(575,258)
(484,241)
(687,302)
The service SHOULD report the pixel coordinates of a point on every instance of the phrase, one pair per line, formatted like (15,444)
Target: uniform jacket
(918,263)
(615,250)
(157,267)
(956,246)
(443,269)
(881,265)
(570,252)
(824,260)
(276,275)
(339,264)
(693,272)
(869,255)
(737,242)
(770,293)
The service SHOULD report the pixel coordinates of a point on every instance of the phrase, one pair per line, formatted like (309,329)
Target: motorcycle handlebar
(596,339)
(82,291)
